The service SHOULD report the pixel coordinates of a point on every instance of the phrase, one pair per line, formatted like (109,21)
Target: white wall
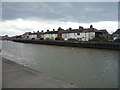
(46,36)
(33,36)
(66,36)
(82,37)
(86,36)
(53,36)
(50,36)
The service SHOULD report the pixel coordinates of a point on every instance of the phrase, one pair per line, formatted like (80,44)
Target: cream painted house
(81,34)
(51,34)
(33,35)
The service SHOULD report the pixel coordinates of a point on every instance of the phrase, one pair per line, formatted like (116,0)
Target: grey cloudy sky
(61,11)
(20,17)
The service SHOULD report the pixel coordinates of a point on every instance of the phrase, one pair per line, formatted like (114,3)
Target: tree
(103,38)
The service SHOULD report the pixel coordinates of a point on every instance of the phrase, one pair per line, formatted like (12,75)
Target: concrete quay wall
(97,45)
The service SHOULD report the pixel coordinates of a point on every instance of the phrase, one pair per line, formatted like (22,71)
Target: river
(87,68)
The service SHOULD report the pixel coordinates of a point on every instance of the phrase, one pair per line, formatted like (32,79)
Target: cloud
(91,9)
(20,26)
(62,11)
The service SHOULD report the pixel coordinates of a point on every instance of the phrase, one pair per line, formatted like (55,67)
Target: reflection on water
(92,68)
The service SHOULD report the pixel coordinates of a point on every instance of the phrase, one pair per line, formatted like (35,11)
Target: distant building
(69,33)
(40,34)
(51,34)
(116,34)
(26,35)
(105,33)
(88,33)
(32,36)
(81,34)
(6,37)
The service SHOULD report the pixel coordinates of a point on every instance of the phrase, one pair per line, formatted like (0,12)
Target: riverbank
(96,45)
(18,76)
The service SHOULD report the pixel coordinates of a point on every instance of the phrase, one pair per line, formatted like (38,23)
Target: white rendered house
(33,35)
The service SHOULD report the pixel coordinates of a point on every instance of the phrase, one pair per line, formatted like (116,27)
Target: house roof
(33,34)
(27,33)
(104,31)
(70,31)
(51,32)
(90,30)
(73,31)
(79,30)
(117,31)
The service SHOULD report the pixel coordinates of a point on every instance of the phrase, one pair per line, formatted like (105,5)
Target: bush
(100,38)
(49,39)
(33,38)
(41,39)
(94,39)
(103,38)
(117,40)
(72,39)
(62,39)
(57,38)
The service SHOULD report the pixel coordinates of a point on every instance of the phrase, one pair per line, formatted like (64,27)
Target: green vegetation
(33,38)
(72,39)
(49,39)
(94,39)
(100,38)
(117,40)
(103,38)
(57,38)
(41,39)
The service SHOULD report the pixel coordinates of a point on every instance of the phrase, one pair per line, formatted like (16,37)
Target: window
(78,33)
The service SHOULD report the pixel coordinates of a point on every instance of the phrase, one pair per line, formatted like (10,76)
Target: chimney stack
(91,26)
(37,31)
(47,30)
(70,28)
(42,31)
(53,29)
(80,27)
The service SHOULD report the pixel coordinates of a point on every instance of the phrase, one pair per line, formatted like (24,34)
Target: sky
(21,17)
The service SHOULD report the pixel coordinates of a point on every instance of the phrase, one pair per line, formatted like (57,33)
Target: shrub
(94,39)
(72,39)
(49,39)
(62,39)
(33,38)
(103,38)
(117,40)
(57,38)
(41,39)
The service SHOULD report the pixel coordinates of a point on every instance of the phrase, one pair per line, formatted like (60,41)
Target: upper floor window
(78,33)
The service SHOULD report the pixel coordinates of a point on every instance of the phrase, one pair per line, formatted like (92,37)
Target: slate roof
(117,31)
(79,30)
(104,31)
(51,32)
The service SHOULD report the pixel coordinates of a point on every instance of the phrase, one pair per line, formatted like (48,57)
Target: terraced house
(51,34)
(81,34)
